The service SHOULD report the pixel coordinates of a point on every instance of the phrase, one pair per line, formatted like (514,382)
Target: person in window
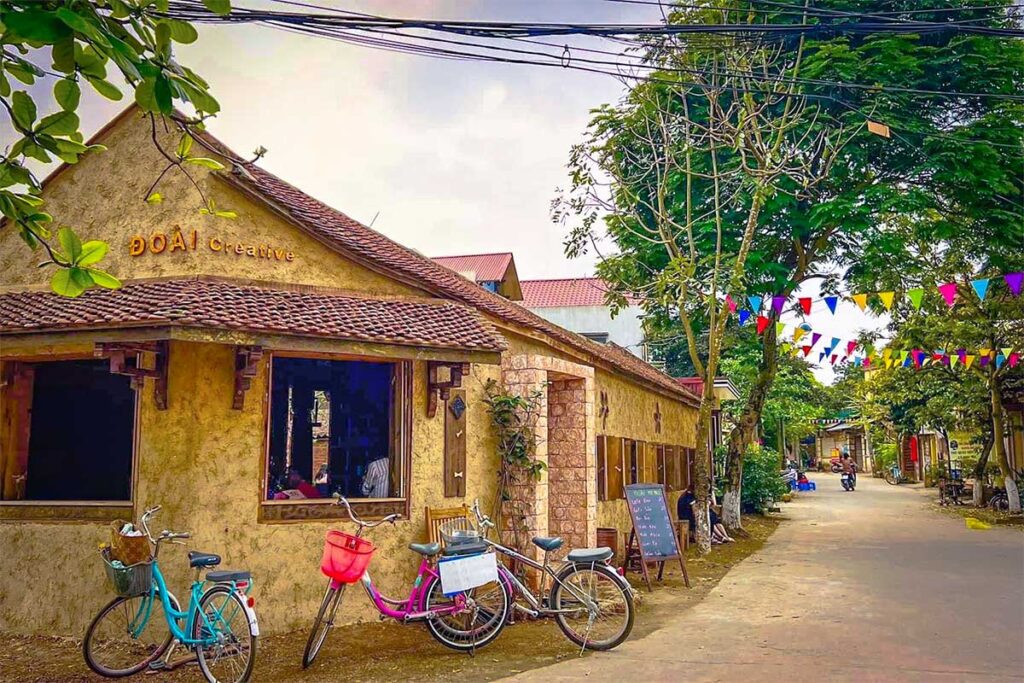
(298,487)
(375,483)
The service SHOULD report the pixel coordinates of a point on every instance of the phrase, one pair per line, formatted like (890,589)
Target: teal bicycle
(131,634)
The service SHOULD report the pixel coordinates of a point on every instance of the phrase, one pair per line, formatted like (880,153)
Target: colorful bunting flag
(1006,351)
(805,303)
(968,361)
(730,303)
(755,303)
(762,324)
(886,298)
(850,346)
(1000,359)
(814,338)
(980,287)
(861,300)
(778,302)
(834,359)
(807,351)
(797,333)
(984,352)
(886,353)
(952,360)
(1014,281)
(831,301)
(744,314)
(1014,357)
(948,292)
(983,361)
(915,296)
(834,344)
(779,328)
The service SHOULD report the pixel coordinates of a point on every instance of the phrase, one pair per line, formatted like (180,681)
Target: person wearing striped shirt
(375,483)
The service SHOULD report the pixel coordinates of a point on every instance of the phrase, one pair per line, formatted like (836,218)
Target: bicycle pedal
(158,665)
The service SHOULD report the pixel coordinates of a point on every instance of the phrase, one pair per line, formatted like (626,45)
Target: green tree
(71,43)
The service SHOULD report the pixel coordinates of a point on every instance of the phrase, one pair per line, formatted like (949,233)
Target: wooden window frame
(601,452)
(74,511)
(312,510)
(615,459)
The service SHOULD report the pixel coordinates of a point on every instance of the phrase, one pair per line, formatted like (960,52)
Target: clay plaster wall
(102,198)
(203,462)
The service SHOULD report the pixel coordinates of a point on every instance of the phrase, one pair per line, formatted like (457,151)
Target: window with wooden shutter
(614,467)
(602,469)
(659,449)
(455,444)
(632,461)
(650,463)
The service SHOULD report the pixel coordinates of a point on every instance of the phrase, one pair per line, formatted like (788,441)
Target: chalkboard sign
(653,528)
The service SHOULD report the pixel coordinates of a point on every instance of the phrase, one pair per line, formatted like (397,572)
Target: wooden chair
(435,516)
(683,533)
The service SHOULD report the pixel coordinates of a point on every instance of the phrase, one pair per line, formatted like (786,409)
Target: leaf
(164,97)
(76,22)
(104,279)
(182,31)
(145,95)
(225,214)
(105,88)
(61,123)
(70,243)
(24,109)
(184,145)
(63,55)
(93,251)
(65,284)
(154,198)
(208,163)
(221,7)
(67,93)
(163,40)
(34,26)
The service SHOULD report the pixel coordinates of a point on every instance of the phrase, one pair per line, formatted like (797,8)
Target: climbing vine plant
(514,418)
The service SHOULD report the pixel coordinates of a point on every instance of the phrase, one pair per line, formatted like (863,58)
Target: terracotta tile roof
(576,291)
(218,304)
(355,239)
(485,267)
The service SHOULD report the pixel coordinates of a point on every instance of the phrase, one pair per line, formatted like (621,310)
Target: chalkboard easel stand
(653,532)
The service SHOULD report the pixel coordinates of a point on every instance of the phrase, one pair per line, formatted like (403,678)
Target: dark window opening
(599,337)
(333,430)
(71,430)
(491,285)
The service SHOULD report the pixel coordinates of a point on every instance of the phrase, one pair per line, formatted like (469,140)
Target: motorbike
(836,465)
(849,481)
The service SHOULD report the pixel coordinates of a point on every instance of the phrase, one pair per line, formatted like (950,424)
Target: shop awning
(263,314)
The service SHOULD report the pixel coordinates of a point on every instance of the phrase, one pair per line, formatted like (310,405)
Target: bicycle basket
(346,557)
(130,580)
(458,531)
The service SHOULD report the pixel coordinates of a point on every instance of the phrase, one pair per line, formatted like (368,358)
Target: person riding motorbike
(849,467)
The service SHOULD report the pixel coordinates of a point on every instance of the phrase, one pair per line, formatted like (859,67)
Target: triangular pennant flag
(1006,351)
(857,362)
(831,301)
(730,303)
(762,324)
(888,362)
(755,303)
(983,361)
(805,303)
(952,360)
(906,360)
(1014,281)
(834,359)
(814,338)
(861,300)
(821,356)
(867,362)
(968,361)
(744,314)
(834,344)
(779,327)
(886,353)
(778,302)
(915,296)
(807,351)
(886,298)
(1000,359)
(980,287)
(948,292)
(1014,357)
(985,353)
(850,346)
(797,333)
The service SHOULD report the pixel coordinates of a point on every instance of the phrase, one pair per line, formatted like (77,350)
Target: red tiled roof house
(247,362)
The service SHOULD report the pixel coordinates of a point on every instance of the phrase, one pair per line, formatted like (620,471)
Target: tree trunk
(978,475)
(742,435)
(1000,448)
(702,471)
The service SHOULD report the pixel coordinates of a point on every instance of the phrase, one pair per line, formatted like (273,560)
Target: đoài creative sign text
(185,241)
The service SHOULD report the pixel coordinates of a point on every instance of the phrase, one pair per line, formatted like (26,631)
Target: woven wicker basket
(131,580)
(128,549)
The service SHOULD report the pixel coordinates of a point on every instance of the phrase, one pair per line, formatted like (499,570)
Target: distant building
(494,272)
(578,304)
(724,390)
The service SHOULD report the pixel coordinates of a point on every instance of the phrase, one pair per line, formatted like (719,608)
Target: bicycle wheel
(611,621)
(127,635)
(324,621)
(230,650)
(475,627)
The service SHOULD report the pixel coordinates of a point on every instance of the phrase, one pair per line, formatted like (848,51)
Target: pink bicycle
(463,621)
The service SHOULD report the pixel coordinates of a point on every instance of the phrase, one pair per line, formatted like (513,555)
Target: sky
(443,156)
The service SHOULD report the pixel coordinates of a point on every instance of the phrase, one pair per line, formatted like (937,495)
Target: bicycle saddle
(198,559)
(428,549)
(548,543)
(587,555)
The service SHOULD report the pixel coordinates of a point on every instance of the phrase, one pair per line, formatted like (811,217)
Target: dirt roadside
(386,651)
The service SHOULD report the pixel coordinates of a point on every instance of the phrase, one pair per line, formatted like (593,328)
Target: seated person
(684,508)
(298,487)
(376,480)
(718,533)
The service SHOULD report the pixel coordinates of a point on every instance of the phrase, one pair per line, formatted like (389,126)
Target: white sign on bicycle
(463,573)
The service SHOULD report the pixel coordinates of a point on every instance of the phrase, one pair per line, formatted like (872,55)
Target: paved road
(862,586)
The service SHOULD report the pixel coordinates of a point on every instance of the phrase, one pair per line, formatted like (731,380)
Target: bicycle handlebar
(165,535)
(481,519)
(341,500)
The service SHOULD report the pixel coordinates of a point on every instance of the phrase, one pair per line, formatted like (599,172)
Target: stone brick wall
(567,463)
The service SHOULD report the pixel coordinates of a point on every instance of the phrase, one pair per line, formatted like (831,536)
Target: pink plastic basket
(346,557)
